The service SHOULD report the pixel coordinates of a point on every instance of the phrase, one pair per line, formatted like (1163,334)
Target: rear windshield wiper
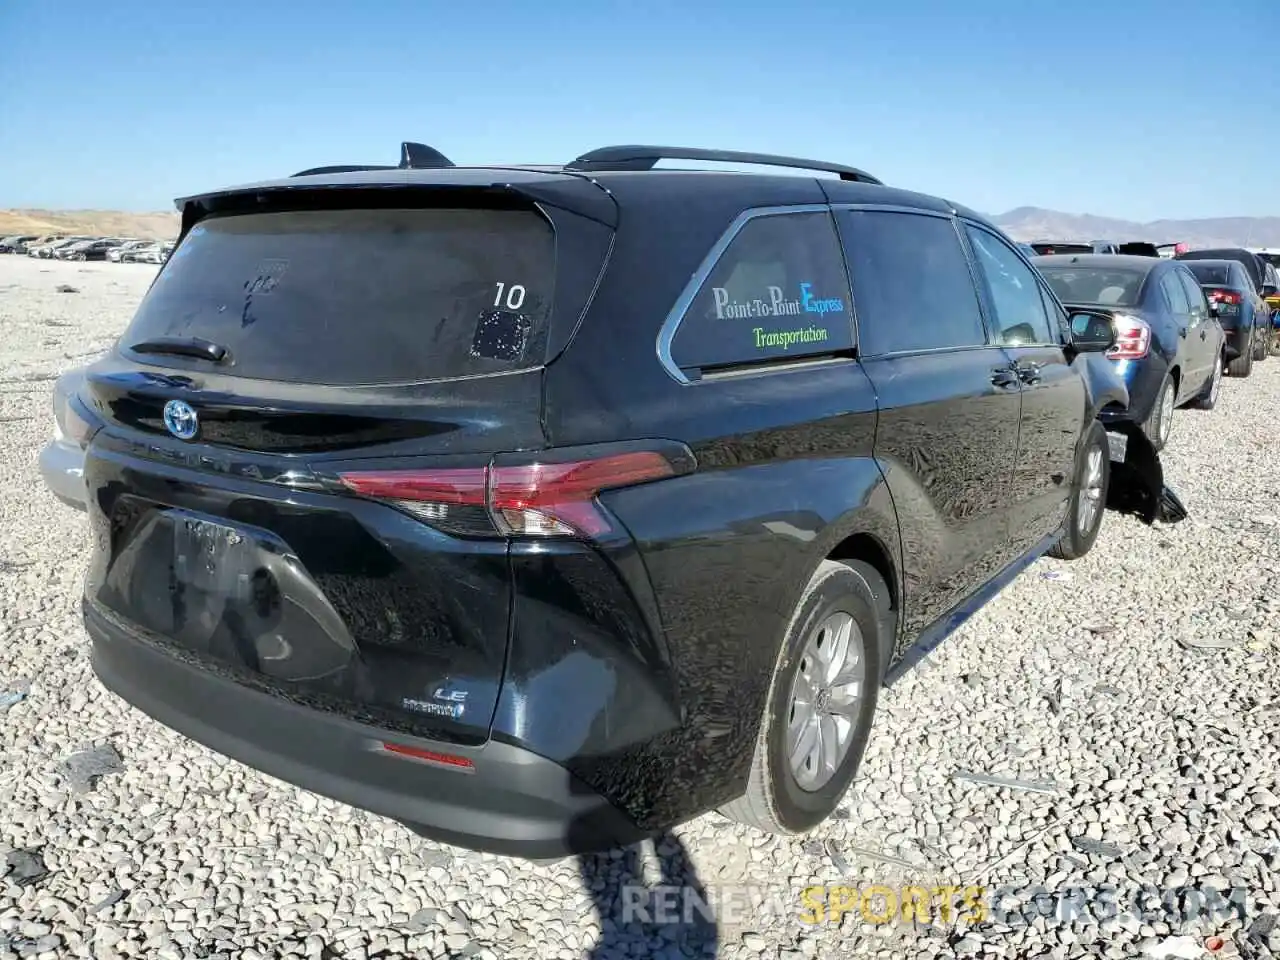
(183,347)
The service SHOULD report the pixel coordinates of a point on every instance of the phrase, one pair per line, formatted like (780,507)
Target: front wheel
(1260,343)
(821,702)
(1089,496)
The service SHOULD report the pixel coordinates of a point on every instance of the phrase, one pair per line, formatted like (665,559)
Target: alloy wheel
(1090,495)
(826,696)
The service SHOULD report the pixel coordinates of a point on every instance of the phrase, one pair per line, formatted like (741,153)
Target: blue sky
(1124,108)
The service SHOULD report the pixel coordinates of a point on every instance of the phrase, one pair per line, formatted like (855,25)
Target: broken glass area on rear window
(359,296)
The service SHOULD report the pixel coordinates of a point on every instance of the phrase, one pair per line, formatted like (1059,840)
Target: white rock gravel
(1166,757)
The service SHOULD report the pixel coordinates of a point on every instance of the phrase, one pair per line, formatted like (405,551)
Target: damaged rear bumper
(1137,478)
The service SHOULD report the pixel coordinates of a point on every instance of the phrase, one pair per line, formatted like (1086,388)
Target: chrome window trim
(667,332)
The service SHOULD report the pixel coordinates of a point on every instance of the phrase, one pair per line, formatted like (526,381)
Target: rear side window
(779,290)
(360,296)
(1195,296)
(911,282)
(1174,293)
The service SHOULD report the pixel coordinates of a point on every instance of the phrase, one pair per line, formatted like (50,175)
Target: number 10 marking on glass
(515,296)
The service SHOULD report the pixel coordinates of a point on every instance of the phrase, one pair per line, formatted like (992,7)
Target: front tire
(821,702)
(1260,350)
(1088,496)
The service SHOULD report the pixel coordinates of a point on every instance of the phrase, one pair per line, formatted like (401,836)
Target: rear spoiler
(413,156)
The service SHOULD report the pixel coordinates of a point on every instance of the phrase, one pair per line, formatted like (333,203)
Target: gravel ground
(1155,758)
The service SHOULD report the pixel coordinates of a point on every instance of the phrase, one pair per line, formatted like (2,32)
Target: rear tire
(1088,496)
(1242,365)
(790,790)
(1160,423)
(1207,399)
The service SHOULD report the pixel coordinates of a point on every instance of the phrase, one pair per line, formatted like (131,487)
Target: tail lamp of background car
(540,498)
(1133,338)
(1228,302)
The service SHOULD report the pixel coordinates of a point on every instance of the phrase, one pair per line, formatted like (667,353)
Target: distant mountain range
(1024,223)
(1034,223)
(92,223)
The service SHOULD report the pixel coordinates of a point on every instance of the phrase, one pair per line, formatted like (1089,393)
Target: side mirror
(1092,332)
(1215,309)
(1269,290)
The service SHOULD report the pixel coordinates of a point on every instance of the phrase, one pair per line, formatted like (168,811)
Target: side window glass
(911,283)
(1058,319)
(1195,297)
(779,291)
(1016,297)
(1173,291)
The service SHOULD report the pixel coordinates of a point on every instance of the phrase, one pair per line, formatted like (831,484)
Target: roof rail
(413,156)
(643,157)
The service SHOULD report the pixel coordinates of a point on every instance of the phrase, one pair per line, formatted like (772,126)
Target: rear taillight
(1225,297)
(546,497)
(72,420)
(1133,338)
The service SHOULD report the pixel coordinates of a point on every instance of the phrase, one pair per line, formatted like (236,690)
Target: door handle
(1028,373)
(1004,377)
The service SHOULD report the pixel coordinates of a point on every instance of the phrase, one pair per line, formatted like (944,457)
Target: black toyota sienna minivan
(542,509)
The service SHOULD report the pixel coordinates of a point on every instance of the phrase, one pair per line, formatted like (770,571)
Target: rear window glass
(359,296)
(1107,287)
(1210,273)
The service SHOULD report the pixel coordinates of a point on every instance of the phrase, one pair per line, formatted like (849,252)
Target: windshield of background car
(1210,272)
(360,296)
(1106,286)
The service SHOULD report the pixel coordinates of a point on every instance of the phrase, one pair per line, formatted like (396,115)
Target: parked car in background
(1049,248)
(1171,250)
(125,247)
(1142,248)
(1227,285)
(1169,346)
(1252,263)
(1255,267)
(49,251)
(87,250)
(16,244)
(598,678)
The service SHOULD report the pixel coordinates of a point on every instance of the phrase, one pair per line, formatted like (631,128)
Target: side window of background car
(779,291)
(1016,297)
(1195,297)
(911,283)
(1174,293)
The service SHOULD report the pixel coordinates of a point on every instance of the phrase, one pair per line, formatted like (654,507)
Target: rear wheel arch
(866,538)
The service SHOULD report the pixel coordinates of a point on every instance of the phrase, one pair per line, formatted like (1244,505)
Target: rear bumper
(515,803)
(62,469)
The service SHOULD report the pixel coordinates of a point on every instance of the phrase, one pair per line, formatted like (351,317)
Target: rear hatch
(297,345)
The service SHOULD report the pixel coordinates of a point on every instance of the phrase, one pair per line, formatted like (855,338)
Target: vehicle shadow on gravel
(667,916)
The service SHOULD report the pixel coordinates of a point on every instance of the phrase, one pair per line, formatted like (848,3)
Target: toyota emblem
(180,419)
